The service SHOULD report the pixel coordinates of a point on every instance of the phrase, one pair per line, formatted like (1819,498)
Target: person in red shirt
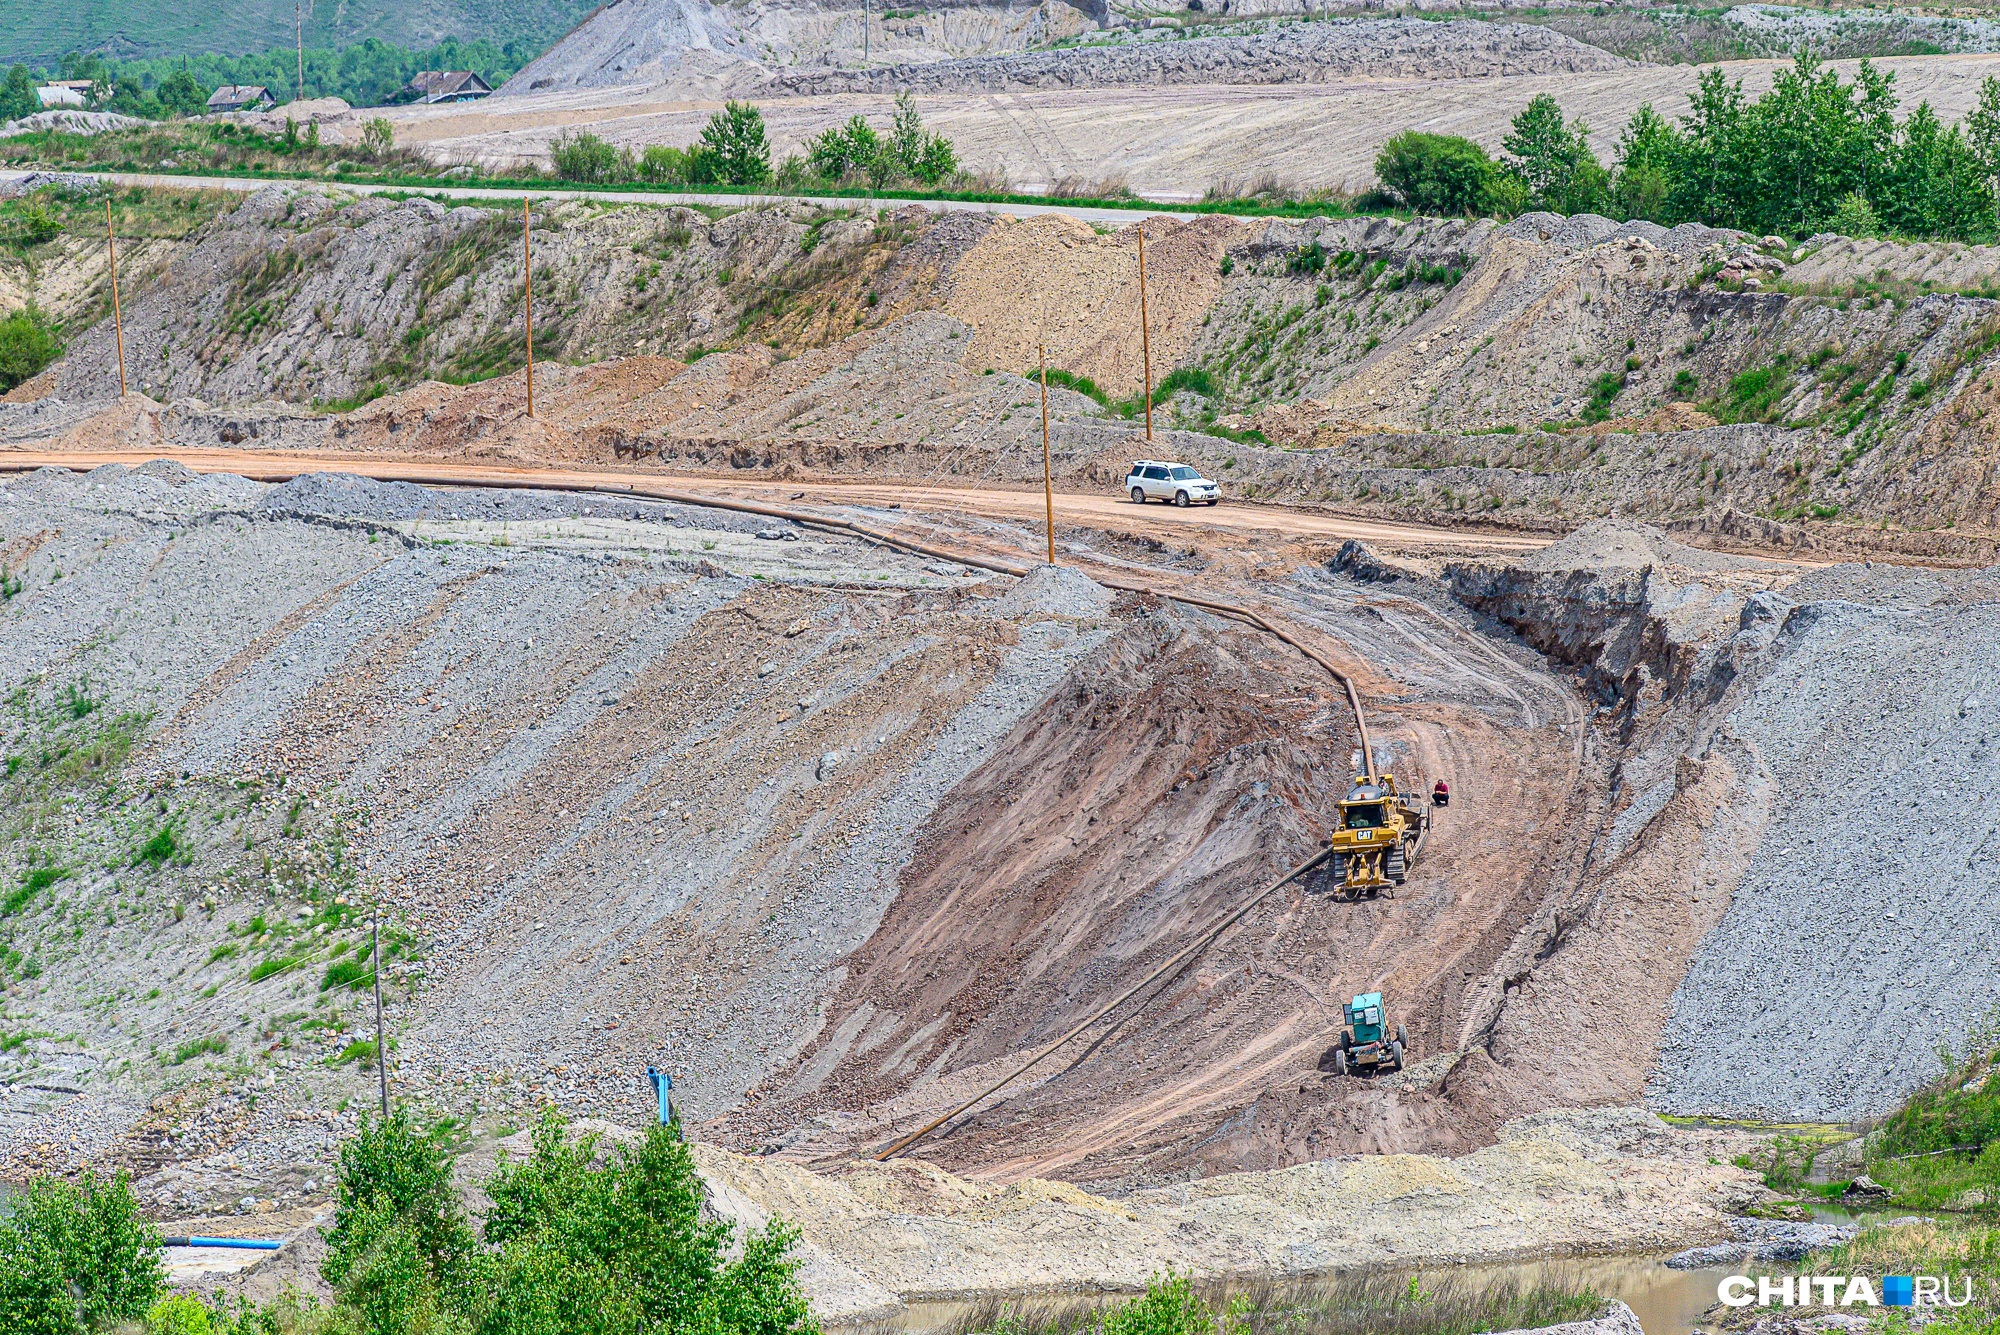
(1441,794)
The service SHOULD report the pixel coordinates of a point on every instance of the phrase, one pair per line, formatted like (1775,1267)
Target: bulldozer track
(833,523)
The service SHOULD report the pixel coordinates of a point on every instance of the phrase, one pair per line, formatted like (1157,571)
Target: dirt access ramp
(876,1236)
(1187,765)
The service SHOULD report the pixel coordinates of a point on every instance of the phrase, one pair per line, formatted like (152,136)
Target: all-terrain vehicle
(1368,1043)
(1380,834)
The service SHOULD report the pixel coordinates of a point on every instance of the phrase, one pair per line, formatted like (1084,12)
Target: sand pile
(1052,279)
(1562,1183)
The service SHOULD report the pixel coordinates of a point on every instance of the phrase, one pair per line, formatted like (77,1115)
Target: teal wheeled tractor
(1369,1043)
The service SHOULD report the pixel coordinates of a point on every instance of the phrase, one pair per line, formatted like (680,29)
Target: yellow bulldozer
(1381,832)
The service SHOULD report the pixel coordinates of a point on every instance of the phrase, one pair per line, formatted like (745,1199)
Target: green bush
(1170,1306)
(179,1314)
(582,157)
(28,343)
(1438,173)
(576,1243)
(834,153)
(663,164)
(76,1256)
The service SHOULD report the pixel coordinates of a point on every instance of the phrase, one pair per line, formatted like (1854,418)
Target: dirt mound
(1056,591)
(637,42)
(1615,544)
(1052,279)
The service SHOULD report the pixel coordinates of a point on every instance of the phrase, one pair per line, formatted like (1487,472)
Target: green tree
(906,135)
(1808,143)
(1553,159)
(1712,143)
(400,1250)
(1437,173)
(625,1243)
(1649,156)
(17,95)
(732,149)
(1982,128)
(29,341)
(77,1256)
(180,94)
(1934,183)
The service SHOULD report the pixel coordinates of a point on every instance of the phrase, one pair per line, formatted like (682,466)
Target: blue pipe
(663,1086)
(248,1244)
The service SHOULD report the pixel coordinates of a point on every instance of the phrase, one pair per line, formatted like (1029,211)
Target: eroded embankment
(630,778)
(1780,811)
(1537,374)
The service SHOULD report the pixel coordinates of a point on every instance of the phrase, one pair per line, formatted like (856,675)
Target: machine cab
(1364,1017)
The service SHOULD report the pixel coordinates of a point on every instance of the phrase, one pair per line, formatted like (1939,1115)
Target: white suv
(1154,479)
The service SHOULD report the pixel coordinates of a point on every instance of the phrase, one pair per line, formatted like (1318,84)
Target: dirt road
(251,184)
(1115,514)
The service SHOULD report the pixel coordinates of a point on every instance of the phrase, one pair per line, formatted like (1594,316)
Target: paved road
(1232,520)
(242,185)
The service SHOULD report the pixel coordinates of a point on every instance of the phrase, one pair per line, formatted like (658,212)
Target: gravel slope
(1293,54)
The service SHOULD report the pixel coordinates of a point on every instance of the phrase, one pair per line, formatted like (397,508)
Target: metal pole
(528,298)
(117,316)
(864,34)
(1048,487)
(299,31)
(1145,337)
(381,1045)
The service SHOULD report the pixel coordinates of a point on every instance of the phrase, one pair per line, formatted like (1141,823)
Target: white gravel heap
(1295,53)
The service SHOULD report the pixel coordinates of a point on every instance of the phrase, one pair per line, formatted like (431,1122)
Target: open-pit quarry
(727,717)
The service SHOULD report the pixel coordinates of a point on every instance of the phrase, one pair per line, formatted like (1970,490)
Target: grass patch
(33,883)
(350,974)
(1603,392)
(1754,396)
(214,1044)
(1941,1149)
(271,968)
(361,1050)
(159,849)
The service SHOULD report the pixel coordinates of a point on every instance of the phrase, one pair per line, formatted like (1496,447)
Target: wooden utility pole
(528,300)
(117,316)
(864,34)
(299,32)
(1048,487)
(1145,336)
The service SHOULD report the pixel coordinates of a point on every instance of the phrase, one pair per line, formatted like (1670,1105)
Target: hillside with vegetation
(143,30)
